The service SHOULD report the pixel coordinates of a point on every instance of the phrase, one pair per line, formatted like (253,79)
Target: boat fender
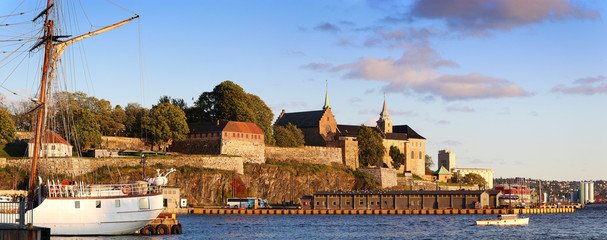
(162,229)
(176,229)
(126,189)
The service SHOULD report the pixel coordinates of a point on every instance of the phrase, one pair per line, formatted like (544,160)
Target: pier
(379,211)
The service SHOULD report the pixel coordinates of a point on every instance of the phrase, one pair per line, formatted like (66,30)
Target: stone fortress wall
(307,154)
(79,166)
(250,151)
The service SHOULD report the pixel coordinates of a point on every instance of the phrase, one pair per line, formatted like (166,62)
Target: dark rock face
(273,183)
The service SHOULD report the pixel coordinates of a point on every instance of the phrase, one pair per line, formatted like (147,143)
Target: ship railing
(16,213)
(78,189)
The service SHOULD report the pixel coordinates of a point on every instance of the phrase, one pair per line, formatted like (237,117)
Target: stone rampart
(251,151)
(124,143)
(197,146)
(79,166)
(385,176)
(349,152)
(429,185)
(307,154)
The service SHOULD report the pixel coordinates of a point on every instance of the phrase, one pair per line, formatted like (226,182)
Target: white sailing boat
(76,208)
(504,220)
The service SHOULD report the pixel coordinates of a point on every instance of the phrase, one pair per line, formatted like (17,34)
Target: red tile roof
(243,127)
(224,126)
(51,137)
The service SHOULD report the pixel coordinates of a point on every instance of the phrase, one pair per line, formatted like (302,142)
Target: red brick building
(224,137)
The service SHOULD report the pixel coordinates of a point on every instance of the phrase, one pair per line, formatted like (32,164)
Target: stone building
(224,137)
(442,174)
(321,129)
(318,127)
(446,159)
(51,145)
(487,174)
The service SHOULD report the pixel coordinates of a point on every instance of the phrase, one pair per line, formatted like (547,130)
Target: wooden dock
(378,211)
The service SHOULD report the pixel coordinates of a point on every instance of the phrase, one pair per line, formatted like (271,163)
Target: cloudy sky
(516,86)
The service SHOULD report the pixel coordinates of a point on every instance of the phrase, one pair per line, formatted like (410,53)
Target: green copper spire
(326,98)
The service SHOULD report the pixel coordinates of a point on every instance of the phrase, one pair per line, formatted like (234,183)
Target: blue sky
(512,85)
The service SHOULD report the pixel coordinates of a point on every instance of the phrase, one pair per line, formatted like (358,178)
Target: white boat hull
(503,222)
(115,216)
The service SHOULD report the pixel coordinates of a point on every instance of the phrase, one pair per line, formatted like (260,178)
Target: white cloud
(415,71)
(456,108)
(584,86)
(479,17)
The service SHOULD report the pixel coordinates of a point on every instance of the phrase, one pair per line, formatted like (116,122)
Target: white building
(51,145)
(487,174)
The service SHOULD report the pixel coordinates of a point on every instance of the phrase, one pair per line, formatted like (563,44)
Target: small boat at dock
(504,220)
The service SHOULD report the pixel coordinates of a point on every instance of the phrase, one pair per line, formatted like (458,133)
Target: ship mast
(52,54)
(47,39)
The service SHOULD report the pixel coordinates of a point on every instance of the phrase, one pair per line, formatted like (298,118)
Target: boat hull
(97,215)
(503,222)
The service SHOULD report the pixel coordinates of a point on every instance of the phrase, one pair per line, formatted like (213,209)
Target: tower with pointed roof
(384,123)
(326,98)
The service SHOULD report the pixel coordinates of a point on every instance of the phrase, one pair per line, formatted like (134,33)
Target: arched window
(412,155)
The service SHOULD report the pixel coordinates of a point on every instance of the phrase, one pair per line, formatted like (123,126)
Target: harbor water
(583,224)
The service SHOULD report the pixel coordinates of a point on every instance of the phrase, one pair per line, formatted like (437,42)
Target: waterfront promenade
(378,211)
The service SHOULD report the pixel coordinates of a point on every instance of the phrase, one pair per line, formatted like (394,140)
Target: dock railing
(16,213)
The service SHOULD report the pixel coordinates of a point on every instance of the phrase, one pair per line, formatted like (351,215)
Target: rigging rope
(121,7)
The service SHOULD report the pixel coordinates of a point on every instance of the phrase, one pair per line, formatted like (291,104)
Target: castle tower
(384,123)
(446,159)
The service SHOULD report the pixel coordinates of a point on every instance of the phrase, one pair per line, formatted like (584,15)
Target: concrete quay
(378,211)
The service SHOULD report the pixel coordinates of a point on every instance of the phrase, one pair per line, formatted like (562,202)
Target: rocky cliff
(276,182)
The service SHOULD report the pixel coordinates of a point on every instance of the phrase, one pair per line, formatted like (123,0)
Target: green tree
(473,178)
(429,164)
(133,120)
(288,136)
(118,117)
(229,102)
(18,110)
(370,146)
(101,110)
(86,132)
(7,128)
(167,122)
(398,158)
(175,101)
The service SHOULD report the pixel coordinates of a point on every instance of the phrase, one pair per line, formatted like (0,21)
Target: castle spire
(326,97)
(384,112)
(384,123)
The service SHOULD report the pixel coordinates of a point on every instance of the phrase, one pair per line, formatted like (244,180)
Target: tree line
(83,119)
